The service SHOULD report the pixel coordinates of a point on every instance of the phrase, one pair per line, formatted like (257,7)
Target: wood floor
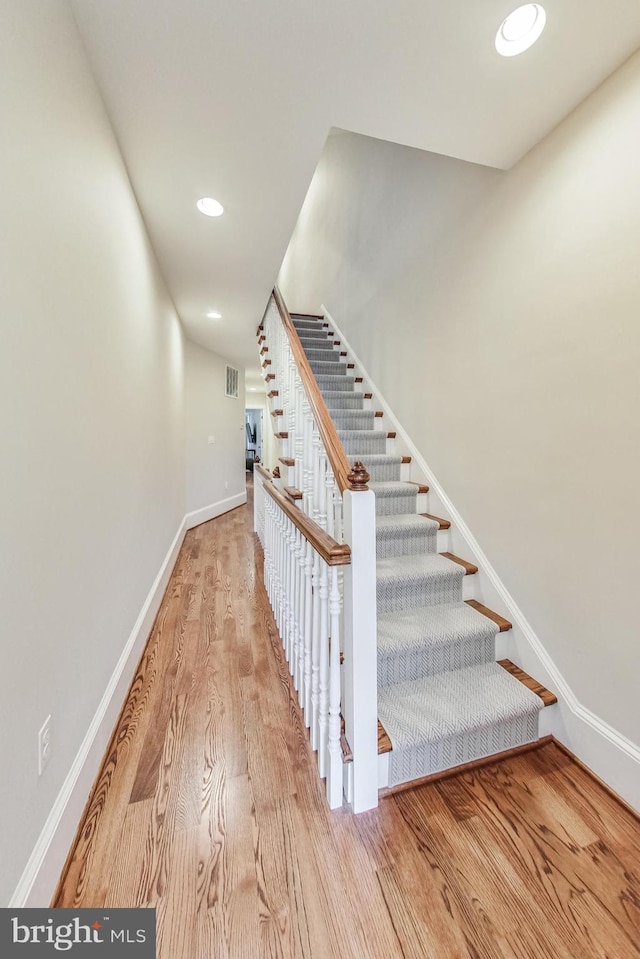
(208,807)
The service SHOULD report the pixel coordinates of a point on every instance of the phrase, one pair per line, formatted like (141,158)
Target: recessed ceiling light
(210,207)
(213,315)
(520,29)
(252,389)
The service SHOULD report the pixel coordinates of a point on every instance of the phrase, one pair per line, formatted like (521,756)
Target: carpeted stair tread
(454,717)
(402,534)
(428,640)
(404,582)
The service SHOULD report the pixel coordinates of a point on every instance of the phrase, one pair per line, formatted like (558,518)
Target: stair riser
(309,324)
(334,384)
(312,333)
(389,546)
(317,344)
(455,751)
(374,442)
(430,660)
(397,595)
(328,368)
(358,420)
(394,505)
(380,474)
(343,400)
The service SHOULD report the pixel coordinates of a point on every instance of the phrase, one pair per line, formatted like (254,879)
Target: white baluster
(315,655)
(329,483)
(301,620)
(334,771)
(290,626)
(315,514)
(307,459)
(297,591)
(308,630)
(322,499)
(323,719)
(299,448)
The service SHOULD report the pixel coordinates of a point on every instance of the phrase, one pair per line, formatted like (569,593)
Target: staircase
(443,700)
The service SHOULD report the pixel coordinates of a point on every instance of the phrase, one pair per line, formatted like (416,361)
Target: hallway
(209,808)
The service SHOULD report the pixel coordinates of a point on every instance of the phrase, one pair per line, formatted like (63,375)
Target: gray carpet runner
(442,698)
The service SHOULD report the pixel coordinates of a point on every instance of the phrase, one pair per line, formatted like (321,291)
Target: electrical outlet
(44,746)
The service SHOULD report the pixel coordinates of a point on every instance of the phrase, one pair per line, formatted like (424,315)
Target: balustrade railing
(319,569)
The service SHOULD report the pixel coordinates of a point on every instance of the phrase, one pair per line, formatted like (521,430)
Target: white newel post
(360,697)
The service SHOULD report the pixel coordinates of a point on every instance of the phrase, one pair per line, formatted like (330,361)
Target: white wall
(505,336)
(92,432)
(215,472)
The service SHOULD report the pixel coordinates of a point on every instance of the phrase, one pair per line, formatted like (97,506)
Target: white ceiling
(234,99)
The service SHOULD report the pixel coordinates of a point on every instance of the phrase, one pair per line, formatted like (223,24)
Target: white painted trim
(610,754)
(42,872)
(203,515)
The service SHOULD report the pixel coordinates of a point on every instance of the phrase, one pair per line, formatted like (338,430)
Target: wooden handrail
(340,465)
(263,471)
(332,552)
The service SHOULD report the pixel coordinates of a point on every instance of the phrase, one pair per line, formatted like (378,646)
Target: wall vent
(231,387)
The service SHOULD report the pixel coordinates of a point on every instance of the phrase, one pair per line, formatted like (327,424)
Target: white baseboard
(203,515)
(610,754)
(42,872)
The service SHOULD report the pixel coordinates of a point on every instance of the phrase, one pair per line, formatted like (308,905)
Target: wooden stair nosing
(422,487)
(287,460)
(469,568)
(384,743)
(378,414)
(277,412)
(293,493)
(266,363)
(547,697)
(442,523)
(273,393)
(283,435)
(359,379)
(270,376)
(503,624)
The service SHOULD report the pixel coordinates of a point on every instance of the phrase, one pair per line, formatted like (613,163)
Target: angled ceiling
(234,99)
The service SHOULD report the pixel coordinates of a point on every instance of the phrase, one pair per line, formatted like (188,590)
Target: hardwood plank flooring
(209,808)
